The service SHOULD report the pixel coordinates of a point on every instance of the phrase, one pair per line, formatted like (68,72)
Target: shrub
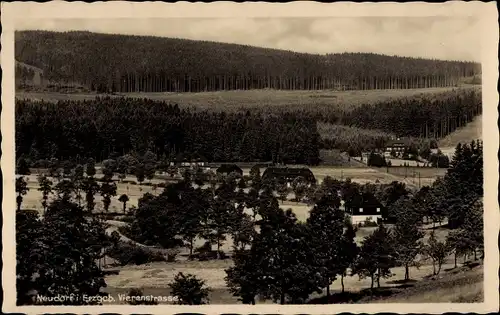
(172,254)
(189,289)
(376,160)
(369,223)
(128,253)
(211,255)
(137,298)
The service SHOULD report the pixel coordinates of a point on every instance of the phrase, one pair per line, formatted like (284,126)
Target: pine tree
(46,189)
(63,266)
(78,176)
(28,254)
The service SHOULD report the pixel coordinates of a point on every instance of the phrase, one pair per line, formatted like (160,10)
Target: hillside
(467,133)
(144,63)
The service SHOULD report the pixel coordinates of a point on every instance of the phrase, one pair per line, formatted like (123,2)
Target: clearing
(227,100)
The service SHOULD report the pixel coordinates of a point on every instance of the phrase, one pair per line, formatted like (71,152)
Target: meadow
(262,98)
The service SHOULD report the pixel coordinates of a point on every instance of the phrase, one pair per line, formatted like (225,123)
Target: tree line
(423,117)
(154,64)
(107,126)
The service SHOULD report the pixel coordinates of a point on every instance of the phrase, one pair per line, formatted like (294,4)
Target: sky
(448,38)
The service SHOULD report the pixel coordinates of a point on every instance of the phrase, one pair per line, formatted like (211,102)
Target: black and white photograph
(299,160)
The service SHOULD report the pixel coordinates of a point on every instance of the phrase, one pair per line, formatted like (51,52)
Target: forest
(155,64)
(99,128)
(105,126)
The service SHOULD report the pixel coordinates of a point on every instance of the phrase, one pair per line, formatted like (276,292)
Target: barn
(364,207)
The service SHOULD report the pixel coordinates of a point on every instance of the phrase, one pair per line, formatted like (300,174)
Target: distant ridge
(147,63)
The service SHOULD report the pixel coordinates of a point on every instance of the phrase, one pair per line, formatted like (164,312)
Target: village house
(184,162)
(396,147)
(363,208)
(288,175)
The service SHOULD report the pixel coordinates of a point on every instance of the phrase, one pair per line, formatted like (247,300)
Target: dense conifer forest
(98,128)
(155,64)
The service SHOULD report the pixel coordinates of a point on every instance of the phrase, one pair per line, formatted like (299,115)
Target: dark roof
(289,173)
(189,158)
(229,168)
(367,201)
(401,141)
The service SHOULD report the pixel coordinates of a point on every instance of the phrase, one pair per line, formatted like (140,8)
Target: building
(398,146)
(288,174)
(227,169)
(364,208)
(192,162)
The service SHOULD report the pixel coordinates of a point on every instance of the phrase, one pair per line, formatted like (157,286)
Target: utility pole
(418,180)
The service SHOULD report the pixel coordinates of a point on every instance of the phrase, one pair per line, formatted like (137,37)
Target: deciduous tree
(189,289)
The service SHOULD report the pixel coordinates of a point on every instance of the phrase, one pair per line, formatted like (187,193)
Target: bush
(172,254)
(128,253)
(369,223)
(376,160)
(211,255)
(205,252)
(137,298)
(189,289)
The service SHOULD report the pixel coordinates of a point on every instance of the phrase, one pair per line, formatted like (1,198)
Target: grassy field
(254,98)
